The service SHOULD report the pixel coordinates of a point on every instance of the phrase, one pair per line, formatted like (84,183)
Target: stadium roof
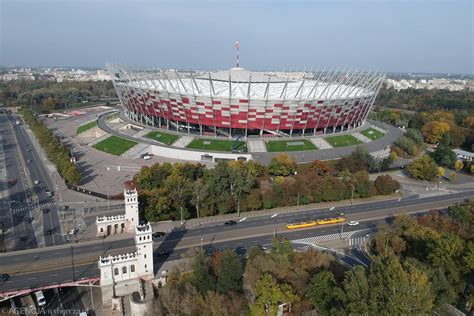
(244,84)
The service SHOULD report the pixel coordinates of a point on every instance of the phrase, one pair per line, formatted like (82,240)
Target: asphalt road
(31,268)
(20,234)
(26,165)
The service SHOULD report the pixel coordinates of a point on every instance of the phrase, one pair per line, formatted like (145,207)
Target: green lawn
(342,140)
(215,144)
(115,145)
(373,134)
(164,138)
(85,127)
(290,145)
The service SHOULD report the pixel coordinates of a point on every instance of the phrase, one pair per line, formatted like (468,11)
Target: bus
(318,221)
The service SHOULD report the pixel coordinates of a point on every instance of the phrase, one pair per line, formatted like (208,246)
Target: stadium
(241,103)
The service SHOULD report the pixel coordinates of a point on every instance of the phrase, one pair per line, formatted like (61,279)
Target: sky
(382,35)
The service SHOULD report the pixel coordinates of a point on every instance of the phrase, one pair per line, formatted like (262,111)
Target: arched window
(132,268)
(116,271)
(124,270)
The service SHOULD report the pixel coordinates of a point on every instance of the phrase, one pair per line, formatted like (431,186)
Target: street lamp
(274,224)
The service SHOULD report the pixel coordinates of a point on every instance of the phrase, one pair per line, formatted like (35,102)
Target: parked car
(158,234)
(37,182)
(352,223)
(45,210)
(28,220)
(146,157)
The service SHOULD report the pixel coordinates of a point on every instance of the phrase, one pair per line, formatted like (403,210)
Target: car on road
(48,232)
(158,234)
(4,277)
(37,182)
(23,238)
(230,223)
(28,220)
(164,254)
(48,193)
(45,210)
(12,182)
(29,161)
(146,157)
(352,223)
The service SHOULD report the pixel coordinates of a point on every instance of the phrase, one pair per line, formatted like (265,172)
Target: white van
(40,298)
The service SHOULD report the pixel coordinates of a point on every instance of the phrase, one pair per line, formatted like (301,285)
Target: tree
(356,292)
(322,168)
(433,131)
(282,165)
(229,273)
(458,165)
(324,292)
(198,195)
(201,277)
(423,168)
(385,184)
(270,294)
(179,187)
(240,185)
(397,289)
(443,155)
(460,213)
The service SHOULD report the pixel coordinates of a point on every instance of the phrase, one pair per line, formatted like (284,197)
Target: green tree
(443,155)
(423,168)
(324,292)
(229,273)
(356,292)
(201,277)
(398,290)
(269,294)
(179,188)
(460,213)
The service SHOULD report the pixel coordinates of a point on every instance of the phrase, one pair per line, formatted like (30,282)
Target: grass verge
(115,145)
(164,138)
(290,145)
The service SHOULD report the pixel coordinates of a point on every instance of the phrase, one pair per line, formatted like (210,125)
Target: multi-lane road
(30,217)
(70,262)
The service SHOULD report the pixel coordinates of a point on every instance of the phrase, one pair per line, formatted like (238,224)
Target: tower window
(116,271)
(144,256)
(132,268)
(124,270)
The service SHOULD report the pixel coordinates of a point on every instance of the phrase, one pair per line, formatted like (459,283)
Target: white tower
(131,208)
(144,244)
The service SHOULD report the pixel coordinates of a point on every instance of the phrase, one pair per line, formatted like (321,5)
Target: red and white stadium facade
(239,102)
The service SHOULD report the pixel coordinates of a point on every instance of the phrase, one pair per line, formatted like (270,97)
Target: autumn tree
(423,168)
(385,184)
(433,131)
(282,165)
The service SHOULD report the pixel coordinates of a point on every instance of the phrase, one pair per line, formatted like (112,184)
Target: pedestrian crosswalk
(31,207)
(316,240)
(356,241)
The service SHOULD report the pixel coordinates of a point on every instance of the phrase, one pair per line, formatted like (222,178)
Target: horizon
(388,36)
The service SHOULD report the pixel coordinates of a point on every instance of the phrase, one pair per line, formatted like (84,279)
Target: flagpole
(238,49)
